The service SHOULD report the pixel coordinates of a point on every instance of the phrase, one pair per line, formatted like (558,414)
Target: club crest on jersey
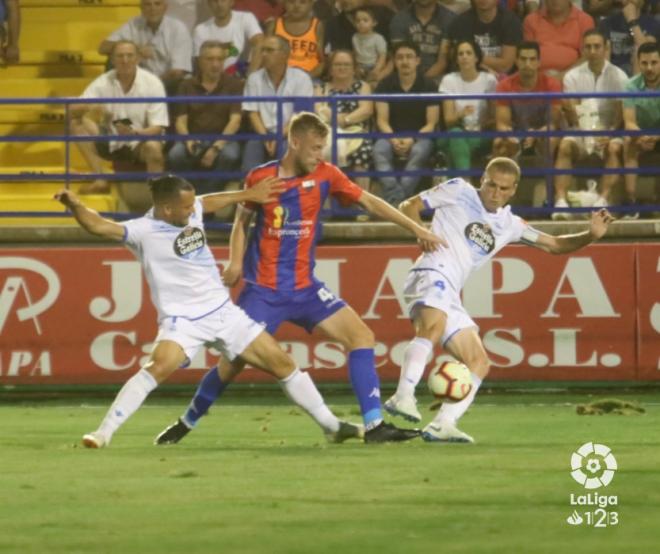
(480,236)
(308,184)
(188,241)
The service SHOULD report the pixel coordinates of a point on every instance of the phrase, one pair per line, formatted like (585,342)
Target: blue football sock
(366,384)
(209,389)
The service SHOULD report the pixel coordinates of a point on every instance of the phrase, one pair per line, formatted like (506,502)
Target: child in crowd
(369,46)
(305,34)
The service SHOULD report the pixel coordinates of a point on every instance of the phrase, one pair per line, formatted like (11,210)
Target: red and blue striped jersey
(280,252)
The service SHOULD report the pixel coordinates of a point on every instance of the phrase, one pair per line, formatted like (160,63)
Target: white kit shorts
(428,287)
(227,329)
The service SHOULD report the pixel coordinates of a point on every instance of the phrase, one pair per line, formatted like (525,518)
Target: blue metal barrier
(308,103)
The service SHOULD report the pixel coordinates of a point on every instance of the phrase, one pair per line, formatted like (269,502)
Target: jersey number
(325,295)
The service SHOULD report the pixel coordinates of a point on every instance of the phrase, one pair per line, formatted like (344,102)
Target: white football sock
(302,391)
(451,412)
(415,358)
(128,400)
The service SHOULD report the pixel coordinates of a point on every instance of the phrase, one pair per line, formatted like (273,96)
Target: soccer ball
(451,381)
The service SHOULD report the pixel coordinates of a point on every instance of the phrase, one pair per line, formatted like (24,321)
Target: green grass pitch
(258,477)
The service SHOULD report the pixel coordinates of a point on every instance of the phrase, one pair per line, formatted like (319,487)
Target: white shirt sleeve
(125,32)
(570,82)
(134,230)
(96,88)
(252,89)
(183,51)
(525,232)
(251,25)
(443,194)
(199,36)
(157,111)
(381,44)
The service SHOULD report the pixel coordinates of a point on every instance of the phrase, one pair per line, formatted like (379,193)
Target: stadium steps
(70,35)
(55,63)
(54,12)
(43,202)
(78,4)
(43,88)
(59,42)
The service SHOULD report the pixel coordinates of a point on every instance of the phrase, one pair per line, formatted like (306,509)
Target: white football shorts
(428,287)
(227,329)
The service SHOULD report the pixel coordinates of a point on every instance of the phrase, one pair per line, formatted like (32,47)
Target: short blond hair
(308,122)
(504,165)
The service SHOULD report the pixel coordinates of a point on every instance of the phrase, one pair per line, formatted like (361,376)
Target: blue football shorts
(303,307)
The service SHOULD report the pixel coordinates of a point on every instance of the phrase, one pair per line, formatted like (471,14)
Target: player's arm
(237,243)
(564,244)
(263,192)
(382,209)
(89,219)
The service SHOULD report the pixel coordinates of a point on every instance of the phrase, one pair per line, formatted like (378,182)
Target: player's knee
(282,365)
(363,337)
(159,370)
(480,366)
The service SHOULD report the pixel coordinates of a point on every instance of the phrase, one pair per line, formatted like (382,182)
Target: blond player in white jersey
(476,223)
(193,304)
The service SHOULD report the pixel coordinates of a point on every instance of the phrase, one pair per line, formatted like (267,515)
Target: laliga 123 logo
(593,465)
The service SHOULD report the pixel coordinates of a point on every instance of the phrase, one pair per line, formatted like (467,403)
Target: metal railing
(546,172)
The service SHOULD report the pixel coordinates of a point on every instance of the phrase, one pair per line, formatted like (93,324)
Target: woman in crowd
(469,114)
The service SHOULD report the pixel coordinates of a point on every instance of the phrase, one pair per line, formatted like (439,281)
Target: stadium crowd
(234,48)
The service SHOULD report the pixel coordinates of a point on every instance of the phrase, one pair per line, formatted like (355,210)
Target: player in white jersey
(193,304)
(476,224)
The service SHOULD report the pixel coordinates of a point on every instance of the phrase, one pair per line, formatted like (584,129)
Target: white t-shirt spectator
(453,83)
(241,28)
(296,82)
(171,42)
(145,85)
(611,79)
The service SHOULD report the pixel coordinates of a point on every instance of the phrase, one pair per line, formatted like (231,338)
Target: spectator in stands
(425,23)
(165,46)
(10,30)
(400,116)
(124,120)
(240,30)
(627,28)
(208,118)
(264,10)
(352,115)
(186,11)
(558,28)
(469,114)
(369,46)
(526,115)
(305,34)
(594,75)
(495,29)
(275,78)
(341,27)
(641,113)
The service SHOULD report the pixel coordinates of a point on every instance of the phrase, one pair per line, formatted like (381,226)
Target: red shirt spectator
(528,114)
(558,28)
